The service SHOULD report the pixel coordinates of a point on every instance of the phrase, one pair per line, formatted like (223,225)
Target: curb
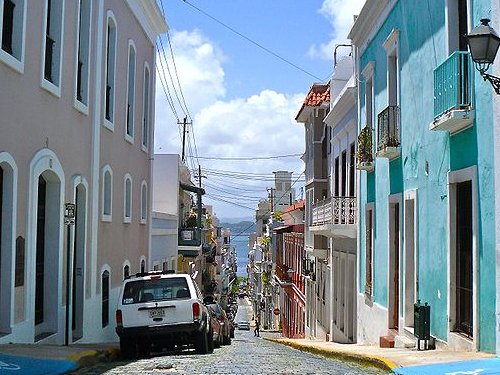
(364,360)
(91,357)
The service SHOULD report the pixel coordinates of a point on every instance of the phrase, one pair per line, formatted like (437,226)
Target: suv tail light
(119,318)
(196,311)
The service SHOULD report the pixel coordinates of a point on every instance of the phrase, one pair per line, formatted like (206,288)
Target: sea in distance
(240,243)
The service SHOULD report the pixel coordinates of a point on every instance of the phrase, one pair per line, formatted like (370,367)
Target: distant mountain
(235,220)
(242,227)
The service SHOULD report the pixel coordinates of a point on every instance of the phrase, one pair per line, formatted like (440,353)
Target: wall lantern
(483,44)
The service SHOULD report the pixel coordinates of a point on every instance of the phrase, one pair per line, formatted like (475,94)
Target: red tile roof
(318,94)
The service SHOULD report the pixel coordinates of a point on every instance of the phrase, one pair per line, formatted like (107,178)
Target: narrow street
(247,355)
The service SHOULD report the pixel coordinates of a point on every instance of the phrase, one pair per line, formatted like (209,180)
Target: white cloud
(340,13)
(258,126)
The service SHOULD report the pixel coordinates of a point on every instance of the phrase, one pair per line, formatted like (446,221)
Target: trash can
(422,323)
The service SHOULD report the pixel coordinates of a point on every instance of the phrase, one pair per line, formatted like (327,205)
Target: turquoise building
(426,155)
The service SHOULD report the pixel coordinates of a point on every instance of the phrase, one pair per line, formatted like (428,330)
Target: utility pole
(184,131)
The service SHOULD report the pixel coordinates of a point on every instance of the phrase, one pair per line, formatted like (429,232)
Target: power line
(252,41)
(248,158)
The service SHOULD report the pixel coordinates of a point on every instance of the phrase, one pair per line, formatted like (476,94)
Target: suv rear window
(161,289)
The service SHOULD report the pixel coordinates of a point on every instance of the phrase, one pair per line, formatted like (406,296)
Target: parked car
(216,328)
(244,325)
(162,310)
(223,320)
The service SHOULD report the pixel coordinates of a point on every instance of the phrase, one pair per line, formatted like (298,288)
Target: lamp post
(483,45)
(69,220)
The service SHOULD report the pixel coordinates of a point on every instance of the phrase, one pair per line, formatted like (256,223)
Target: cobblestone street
(247,355)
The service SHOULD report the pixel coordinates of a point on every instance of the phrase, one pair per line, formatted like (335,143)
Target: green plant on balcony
(265,278)
(278,216)
(365,154)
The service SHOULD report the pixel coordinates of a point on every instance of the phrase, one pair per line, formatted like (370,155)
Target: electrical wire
(252,41)
(243,158)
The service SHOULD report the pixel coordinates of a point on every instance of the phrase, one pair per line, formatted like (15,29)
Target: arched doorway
(79,249)
(47,254)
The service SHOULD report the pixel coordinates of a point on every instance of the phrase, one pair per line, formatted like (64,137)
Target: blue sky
(243,100)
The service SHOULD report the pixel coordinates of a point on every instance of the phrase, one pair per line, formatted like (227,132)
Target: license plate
(157,313)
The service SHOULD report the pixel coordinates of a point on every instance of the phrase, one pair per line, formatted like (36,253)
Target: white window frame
(144,202)
(391,46)
(105,216)
(16,59)
(54,86)
(146,108)
(127,199)
(368,74)
(110,76)
(83,41)
(130,92)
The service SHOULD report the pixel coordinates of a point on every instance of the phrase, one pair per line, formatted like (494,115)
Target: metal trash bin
(422,323)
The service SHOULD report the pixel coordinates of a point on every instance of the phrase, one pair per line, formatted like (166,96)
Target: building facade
(335,216)
(426,192)
(317,285)
(78,77)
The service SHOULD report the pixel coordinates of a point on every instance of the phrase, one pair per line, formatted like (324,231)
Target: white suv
(160,310)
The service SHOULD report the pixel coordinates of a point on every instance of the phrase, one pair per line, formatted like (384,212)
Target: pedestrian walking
(257,328)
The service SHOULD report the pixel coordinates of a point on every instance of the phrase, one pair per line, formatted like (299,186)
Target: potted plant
(365,153)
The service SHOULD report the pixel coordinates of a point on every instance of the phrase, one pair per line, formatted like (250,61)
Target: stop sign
(276,311)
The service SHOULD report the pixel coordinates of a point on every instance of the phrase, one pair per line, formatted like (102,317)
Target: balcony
(389,142)
(189,237)
(335,217)
(453,94)
(365,150)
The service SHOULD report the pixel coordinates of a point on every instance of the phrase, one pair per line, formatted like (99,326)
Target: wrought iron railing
(388,128)
(452,83)
(334,210)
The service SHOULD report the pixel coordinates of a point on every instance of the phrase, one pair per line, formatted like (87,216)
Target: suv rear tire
(127,348)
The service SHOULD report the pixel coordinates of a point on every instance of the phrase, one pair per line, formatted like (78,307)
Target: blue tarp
(475,367)
(19,365)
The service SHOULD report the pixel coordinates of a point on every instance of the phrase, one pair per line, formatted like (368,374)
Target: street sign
(69,213)
(276,311)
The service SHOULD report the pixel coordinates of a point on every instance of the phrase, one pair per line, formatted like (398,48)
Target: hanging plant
(364,153)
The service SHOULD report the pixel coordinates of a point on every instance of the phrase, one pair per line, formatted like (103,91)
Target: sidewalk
(30,358)
(384,358)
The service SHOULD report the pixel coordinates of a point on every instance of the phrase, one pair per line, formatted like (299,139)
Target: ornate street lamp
(483,44)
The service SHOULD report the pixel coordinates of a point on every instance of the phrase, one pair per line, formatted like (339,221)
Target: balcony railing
(335,210)
(452,84)
(453,109)
(388,128)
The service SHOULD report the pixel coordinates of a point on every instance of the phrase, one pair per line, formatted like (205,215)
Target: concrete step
(404,342)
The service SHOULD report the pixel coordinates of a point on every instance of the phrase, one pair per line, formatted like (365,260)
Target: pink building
(77,107)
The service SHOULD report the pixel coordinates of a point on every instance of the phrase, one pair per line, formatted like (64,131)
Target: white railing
(334,210)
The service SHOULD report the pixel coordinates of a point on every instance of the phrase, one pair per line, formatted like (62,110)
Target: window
(109,94)
(107,193)
(352,170)
(54,11)
(457,19)
(144,202)
(369,253)
(126,271)
(145,109)
(336,171)
(83,52)
(127,197)
(369,105)
(130,93)
(391,48)
(143,266)
(20,254)
(105,298)
(12,26)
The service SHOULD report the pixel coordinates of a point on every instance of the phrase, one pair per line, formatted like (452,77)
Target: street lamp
(483,44)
